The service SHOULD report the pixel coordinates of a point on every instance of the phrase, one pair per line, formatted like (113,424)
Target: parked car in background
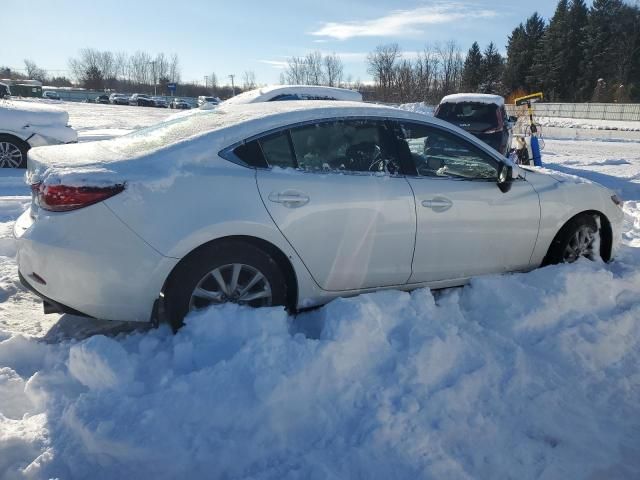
(210,100)
(160,102)
(276,93)
(180,104)
(102,99)
(482,115)
(305,202)
(28,124)
(51,95)
(119,99)
(141,100)
(5,91)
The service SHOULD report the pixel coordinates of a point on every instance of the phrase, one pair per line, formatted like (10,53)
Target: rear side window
(251,154)
(277,150)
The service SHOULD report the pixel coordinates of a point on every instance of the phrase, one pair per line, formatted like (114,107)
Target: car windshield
(467,112)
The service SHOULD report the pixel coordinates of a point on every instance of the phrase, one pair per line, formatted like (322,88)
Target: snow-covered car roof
(15,114)
(264,94)
(473,98)
(237,121)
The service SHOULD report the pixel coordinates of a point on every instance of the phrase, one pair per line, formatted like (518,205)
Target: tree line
(581,55)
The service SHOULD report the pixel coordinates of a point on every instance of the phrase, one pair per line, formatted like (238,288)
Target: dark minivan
(482,115)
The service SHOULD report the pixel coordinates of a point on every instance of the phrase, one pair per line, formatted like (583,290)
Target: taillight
(63,198)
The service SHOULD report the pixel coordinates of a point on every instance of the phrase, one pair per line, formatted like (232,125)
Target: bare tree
(34,72)
(174,69)
(333,70)
(296,71)
(213,81)
(381,66)
(248,80)
(314,68)
(451,61)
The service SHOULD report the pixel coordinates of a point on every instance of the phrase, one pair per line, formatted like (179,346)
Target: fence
(593,111)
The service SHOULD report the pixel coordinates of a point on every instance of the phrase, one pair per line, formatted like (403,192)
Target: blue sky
(232,37)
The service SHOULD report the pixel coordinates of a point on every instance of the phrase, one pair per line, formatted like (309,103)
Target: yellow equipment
(535,146)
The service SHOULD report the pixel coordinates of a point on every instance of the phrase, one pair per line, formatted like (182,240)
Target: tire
(13,152)
(197,270)
(569,239)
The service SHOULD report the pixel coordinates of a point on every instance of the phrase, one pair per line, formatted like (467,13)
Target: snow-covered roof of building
(264,94)
(473,98)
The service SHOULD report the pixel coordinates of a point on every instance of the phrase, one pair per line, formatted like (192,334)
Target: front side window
(345,145)
(436,153)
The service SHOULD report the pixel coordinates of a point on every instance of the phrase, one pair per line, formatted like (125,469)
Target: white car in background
(119,99)
(276,93)
(292,203)
(51,95)
(208,100)
(25,124)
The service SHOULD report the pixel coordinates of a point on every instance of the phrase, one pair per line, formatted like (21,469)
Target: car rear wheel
(579,237)
(13,152)
(224,272)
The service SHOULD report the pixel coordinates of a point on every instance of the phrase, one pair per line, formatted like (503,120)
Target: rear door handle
(290,199)
(438,204)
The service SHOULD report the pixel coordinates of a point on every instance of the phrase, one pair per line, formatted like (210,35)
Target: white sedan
(292,203)
(26,124)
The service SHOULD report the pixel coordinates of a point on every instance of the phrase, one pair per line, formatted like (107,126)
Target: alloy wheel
(580,244)
(10,155)
(235,283)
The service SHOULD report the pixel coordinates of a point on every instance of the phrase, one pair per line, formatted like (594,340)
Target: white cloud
(279,64)
(402,22)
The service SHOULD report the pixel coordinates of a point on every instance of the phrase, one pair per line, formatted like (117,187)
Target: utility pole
(233,88)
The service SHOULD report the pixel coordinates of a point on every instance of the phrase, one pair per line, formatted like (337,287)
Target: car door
(333,190)
(465,225)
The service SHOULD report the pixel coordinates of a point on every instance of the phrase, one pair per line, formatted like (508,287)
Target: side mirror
(505,177)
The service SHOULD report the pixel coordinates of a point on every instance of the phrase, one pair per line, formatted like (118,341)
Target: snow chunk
(100,363)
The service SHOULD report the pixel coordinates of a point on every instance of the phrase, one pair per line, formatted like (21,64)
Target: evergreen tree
(600,46)
(472,70)
(577,17)
(521,49)
(492,69)
(550,67)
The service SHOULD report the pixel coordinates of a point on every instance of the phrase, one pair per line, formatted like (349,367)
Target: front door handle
(289,198)
(438,204)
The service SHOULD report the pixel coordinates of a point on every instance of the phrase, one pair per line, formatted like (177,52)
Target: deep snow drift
(514,376)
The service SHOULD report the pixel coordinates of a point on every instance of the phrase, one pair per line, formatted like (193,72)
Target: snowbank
(418,107)
(589,124)
(515,376)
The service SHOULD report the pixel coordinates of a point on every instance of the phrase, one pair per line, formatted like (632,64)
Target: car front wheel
(580,237)
(13,152)
(224,272)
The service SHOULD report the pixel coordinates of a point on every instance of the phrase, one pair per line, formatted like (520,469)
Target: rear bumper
(89,263)
(49,305)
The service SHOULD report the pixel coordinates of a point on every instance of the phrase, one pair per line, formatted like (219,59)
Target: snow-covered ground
(515,376)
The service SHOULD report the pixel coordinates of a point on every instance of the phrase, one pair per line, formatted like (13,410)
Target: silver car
(290,203)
